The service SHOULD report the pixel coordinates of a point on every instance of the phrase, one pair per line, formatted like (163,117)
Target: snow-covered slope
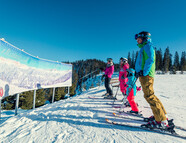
(82,120)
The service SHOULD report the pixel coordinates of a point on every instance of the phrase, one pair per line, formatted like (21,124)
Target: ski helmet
(131,72)
(144,35)
(125,60)
(121,58)
(109,60)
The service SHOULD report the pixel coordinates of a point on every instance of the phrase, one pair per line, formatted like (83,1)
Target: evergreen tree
(170,63)
(60,93)
(9,102)
(40,97)
(159,60)
(129,59)
(183,61)
(74,83)
(156,52)
(173,69)
(166,60)
(133,61)
(48,94)
(136,57)
(26,100)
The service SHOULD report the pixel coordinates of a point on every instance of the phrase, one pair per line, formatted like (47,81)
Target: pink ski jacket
(123,72)
(109,71)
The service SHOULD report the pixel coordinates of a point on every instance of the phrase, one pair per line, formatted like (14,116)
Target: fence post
(17,104)
(34,99)
(68,90)
(0,109)
(53,94)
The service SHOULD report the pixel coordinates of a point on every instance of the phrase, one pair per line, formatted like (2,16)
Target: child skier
(123,75)
(131,90)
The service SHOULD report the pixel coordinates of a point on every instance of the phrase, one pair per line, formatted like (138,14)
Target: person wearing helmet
(132,90)
(145,70)
(109,70)
(123,74)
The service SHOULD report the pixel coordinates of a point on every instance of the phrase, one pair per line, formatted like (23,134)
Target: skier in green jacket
(145,69)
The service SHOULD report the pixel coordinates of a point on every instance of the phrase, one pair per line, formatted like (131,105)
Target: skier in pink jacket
(123,75)
(108,75)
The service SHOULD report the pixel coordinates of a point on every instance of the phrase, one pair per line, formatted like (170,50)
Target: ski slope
(82,120)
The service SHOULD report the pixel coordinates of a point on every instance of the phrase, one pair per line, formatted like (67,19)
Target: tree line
(164,61)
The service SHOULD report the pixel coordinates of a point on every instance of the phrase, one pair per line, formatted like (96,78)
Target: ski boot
(171,126)
(167,126)
(135,113)
(151,118)
(127,104)
(150,125)
(106,94)
(110,97)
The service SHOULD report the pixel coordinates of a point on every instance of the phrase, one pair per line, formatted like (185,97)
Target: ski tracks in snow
(80,119)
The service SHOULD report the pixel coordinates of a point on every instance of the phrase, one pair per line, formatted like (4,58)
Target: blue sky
(69,30)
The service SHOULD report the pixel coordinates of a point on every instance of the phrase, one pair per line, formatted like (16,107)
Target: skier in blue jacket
(145,69)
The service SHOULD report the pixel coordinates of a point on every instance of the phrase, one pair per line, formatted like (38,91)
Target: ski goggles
(142,36)
(138,35)
(124,60)
(109,60)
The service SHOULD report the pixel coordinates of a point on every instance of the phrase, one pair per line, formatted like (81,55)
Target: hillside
(81,119)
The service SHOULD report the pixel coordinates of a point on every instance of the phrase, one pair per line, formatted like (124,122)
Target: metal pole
(88,74)
(0,109)
(53,94)
(17,104)
(68,90)
(34,99)
(116,94)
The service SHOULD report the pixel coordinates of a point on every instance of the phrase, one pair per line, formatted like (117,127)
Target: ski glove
(139,73)
(102,77)
(125,85)
(139,88)
(122,77)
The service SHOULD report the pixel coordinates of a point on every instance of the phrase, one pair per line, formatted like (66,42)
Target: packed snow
(82,120)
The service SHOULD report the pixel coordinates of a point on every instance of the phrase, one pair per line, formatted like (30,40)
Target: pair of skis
(143,119)
(156,130)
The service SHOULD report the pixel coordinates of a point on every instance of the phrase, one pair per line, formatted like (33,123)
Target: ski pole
(116,94)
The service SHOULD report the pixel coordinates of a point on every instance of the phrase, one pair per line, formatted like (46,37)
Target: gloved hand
(122,77)
(139,73)
(139,88)
(126,85)
(102,76)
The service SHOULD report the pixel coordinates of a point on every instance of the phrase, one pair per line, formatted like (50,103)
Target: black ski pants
(107,82)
